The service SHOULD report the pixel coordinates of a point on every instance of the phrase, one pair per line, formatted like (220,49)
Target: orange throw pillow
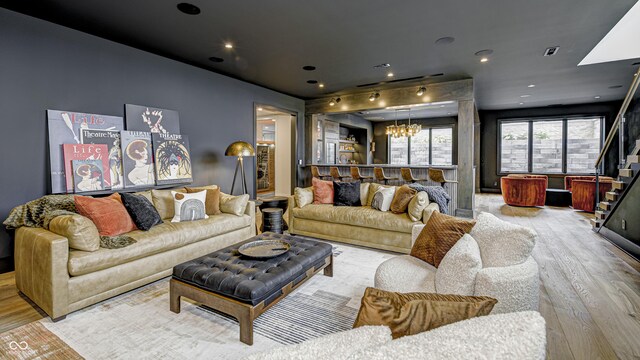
(322,191)
(438,237)
(108,214)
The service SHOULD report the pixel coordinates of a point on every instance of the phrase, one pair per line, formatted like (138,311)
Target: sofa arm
(288,215)
(516,287)
(41,259)
(251,211)
(415,231)
(426,213)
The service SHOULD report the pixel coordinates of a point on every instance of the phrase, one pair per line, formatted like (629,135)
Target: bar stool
(380,176)
(335,174)
(407,176)
(315,172)
(355,174)
(437,175)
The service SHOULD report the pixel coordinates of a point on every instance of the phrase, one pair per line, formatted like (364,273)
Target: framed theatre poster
(114,152)
(137,159)
(153,120)
(172,159)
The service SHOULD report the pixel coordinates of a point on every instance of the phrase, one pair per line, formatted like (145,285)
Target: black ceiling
(344,40)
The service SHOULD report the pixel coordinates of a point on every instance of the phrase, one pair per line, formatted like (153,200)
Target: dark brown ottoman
(245,287)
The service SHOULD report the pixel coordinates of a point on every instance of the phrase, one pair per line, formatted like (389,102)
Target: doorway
(275,151)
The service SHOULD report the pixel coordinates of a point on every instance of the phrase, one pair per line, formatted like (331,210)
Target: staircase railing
(619,129)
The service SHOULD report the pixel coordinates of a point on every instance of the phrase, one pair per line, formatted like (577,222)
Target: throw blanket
(34,213)
(436,194)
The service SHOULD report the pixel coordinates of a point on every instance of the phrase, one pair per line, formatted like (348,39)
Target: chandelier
(403,130)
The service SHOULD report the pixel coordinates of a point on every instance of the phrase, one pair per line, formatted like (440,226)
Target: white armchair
(493,260)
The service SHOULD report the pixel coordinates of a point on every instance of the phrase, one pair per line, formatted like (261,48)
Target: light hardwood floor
(590,290)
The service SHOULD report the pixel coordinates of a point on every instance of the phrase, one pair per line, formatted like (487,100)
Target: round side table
(272,220)
(278,202)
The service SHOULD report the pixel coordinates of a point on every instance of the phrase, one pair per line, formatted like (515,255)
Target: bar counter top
(445,167)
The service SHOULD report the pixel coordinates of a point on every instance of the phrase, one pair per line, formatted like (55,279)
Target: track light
(334,101)
(374,96)
(421,91)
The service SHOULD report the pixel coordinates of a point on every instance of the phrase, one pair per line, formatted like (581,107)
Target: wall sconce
(374,96)
(421,91)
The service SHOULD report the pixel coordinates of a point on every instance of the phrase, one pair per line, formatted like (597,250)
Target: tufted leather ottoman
(245,287)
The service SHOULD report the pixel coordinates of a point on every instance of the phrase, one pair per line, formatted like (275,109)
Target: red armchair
(524,190)
(583,193)
(569,179)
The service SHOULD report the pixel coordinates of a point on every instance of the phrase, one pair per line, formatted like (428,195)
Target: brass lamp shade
(240,148)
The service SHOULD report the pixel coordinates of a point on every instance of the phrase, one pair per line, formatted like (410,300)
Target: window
(550,146)
(430,146)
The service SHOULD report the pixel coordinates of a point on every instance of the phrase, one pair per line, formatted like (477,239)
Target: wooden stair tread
(617,185)
(626,172)
(601,215)
(605,205)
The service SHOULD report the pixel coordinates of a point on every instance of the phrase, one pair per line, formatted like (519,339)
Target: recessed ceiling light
(216,59)
(484,59)
(390,74)
(374,96)
(274,120)
(308,67)
(421,91)
(597,97)
(449,113)
(550,51)
(228,45)
(312,81)
(385,65)
(521,103)
(441,106)
(525,96)
(189,9)
(445,40)
(321,85)
(531,86)
(260,109)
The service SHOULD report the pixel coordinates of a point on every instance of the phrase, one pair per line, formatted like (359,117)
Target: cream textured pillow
(373,188)
(189,207)
(364,193)
(233,204)
(502,243)
(459,267)
(81,232)
(382,199)
(303,196)
(417,205)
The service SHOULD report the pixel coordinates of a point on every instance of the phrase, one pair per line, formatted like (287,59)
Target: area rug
(139,325)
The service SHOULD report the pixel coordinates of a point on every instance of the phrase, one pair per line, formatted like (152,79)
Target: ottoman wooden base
(245,313)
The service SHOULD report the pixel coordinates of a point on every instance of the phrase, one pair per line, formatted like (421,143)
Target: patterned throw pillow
(438,236)
(382,198)
(413,313)
(189,207)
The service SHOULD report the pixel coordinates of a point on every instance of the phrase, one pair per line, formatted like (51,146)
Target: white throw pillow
(303,196)
(520,335)
(364,193)
(502,243)
(189,207)
(417,205)
(236,205)
(382,198)
(333,346)
(459,267)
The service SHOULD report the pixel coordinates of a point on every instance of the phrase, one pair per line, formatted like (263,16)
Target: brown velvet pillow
(402,198)
(413,313)
(212,202)
(438,236)
(108,214)
(322,191)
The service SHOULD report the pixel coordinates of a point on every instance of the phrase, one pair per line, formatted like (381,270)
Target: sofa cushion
(158,239)
(520,335)
(364,193)
(189,207)
(416,312)
(373,188)
(108,214)
(163,201)
(212,202)
(303,196)
(459,267)
(382,199)
(502,243)
(417,205)
(333,346)
(402,198)
(322,191)
(236,205)
(438,236)
(346,193)
(358,216)
(81,232)
(406,273)
(141,210)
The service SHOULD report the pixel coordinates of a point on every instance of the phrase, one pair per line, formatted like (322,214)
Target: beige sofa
(361,225)
(61,280)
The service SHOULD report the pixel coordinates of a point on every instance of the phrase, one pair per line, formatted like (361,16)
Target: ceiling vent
(550,51)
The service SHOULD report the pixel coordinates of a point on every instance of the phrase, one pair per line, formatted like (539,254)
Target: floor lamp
(240,149)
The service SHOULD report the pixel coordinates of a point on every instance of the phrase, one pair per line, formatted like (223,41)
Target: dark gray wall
(490,176)
(46,66)
(381,155)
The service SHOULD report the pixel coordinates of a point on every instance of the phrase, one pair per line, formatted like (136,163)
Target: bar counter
(419,171)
